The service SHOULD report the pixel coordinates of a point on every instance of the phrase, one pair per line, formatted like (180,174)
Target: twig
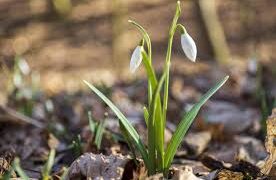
(16,117)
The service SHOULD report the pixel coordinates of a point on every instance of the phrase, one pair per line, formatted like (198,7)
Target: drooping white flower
(136,58)
(188,46)
(24,66)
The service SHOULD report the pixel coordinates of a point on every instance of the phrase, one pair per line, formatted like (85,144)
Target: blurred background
(65,41)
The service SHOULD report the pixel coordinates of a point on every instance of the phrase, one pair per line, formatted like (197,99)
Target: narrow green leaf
(150,70)
(77,146)
(156,127)
(152,80)
(99,134)
(146,115)
(19,170)
(64,174)
(128,140)
(92,124)
(168,60)
(186,123)
(46,171)
(132,132)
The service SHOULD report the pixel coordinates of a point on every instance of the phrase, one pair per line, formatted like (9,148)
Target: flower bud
(188,46)
(136,58)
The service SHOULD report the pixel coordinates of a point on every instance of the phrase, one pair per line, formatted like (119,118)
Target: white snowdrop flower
(136,58)
(188,46)
(24,66)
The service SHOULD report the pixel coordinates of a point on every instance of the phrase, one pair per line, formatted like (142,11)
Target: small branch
(17,117)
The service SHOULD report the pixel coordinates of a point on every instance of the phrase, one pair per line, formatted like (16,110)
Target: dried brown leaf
(227,174)
(270,144)
(97,166)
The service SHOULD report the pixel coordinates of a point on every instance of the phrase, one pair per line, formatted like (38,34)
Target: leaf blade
(132,132)
(186,123)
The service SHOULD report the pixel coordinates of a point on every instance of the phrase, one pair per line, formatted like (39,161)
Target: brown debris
(53,142)
(227,174)
(5,164)
(185,173)
(197,142)
(197,166)
(247,169)
(176,173)
(241,166)
(134,169)
(229,115)
(270,143)
(25,141)
(92,166)
(158,176)
(211,162)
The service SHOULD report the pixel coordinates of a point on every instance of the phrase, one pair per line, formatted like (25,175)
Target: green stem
(168,60)
(161,113)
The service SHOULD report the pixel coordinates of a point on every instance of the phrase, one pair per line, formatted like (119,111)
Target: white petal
(23,66)
(136,58)
(189,46)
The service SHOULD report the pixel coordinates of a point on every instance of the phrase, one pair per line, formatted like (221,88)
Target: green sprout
(47,168)
(97,128)
(156,156)
(77,146)
(16,166)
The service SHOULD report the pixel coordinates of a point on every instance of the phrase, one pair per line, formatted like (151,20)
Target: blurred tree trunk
(214,30)
(119,21)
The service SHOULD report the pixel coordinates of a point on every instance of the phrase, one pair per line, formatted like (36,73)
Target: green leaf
(128,140)
(152,80)
(48,166)
(77,146)
(168,60)
(92,124)
(99,134)
(19,170)
(132,132)
(64,174)
(186,123)
(156,127)
(146,115)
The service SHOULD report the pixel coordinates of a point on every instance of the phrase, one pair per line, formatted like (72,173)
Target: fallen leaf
(229,114)
(185,173)
(270,144)
(227,174)
(197,142)
(97,166)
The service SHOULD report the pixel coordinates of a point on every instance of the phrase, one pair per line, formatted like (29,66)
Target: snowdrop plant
(156,156)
